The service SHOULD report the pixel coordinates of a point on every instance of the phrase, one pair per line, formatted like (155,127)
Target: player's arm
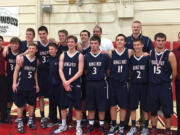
(6,50)
(20,56)
(130,52)
(173,62)
(61,62)
(36,80)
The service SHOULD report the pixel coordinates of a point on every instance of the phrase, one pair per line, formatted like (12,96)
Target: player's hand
(68,88)
(19,59)
(5,51)
(37,88)
(145,54)
(14,87)
(79,47)
(103,52)
(66,83)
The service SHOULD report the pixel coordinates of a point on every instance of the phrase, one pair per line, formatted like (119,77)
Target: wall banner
(9,21)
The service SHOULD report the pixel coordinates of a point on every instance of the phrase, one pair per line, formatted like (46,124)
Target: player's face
(97,32)
(84,37)
(120,42)
(62,37)
(32,50)
(29,36)
(160,42)
(14,46)
(71,43)
(137,46)
(43,35)
(52,51)
(94,45)
(136,28)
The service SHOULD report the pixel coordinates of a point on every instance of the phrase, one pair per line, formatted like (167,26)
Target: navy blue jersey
(26,80)
(148,45)
(70,65)
(86,50)
(43,56)
(119,66)
(162,73)
(54,77)
(11,62)
(96,66)
(139,68)
(23,46)
(62,48)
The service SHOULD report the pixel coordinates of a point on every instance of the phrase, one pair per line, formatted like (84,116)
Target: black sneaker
(113,130)
(31,124)
(43,122)
(20,127)
(102,130)
(89,129)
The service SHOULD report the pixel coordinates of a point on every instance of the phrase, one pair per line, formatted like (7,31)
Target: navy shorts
(23,97)
(138,93)
(10,96)
(43,83)
(96,95)
(161,96)
(73,96)
(118,94)
(83,87)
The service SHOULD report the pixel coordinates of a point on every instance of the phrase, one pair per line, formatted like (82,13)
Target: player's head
(179,37)
(30,34)
(160,39)
(136,27)
(63,34)
(1,40)
(120,40)
(97,31)
(52,49)
(138,45)
(71,42)
(15,43)
(85,35)
(32,48)
(95,42)
(43,33)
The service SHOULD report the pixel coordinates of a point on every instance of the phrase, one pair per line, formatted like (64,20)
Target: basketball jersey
(26,81)
(23,46)
(162,73)
(86,50)
(96,66)
(54,77)
(62,48)
(139,69)
(119,66)
(11,62)
(70,66)
(43,56)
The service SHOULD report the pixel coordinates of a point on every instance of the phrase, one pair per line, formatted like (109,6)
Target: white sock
(91,122)
(101,122)
(64,122)
(78,123)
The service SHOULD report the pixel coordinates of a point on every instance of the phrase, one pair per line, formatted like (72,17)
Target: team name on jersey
(43,52)
(29,68)
(97,64)
(11,60)
(139,67)
(118,62)
(70,64)
(153,62)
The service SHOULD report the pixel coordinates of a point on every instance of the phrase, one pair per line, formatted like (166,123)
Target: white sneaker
(145,131)
(60,129)
(78,131)
(133,131)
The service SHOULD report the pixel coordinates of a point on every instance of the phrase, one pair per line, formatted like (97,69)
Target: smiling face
(52,51)
(42,35)
(136,28)
(29,36)
(71,43)
(62,37)
(138,46)
(84,37)
(97,31)
(120,42)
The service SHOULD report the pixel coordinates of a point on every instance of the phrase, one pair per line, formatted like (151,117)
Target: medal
(158,63)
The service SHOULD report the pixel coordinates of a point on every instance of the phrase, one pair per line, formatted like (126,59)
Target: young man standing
(71,66)
(163,69)
(25,86)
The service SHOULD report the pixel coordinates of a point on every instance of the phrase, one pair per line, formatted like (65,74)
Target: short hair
(121,35)
(138,40)
(63,31)
(97,26)
(15,40)
(72,37)
(1,37)
(33,44)
(31,30)
(136,21)
(159,35)
(43,28)
(53,45)
(86,32)
(95,38)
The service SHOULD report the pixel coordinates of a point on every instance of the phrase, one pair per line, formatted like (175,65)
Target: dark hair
(63,31)
(1,37)
(15,40)
(179,33)
(86,32)
(95,38)
(31,30)
(136,21)
(159,35)
(43,28)
(138,40)
(33,44)
(53,45)
(97,26)
(72,37)
(121,35)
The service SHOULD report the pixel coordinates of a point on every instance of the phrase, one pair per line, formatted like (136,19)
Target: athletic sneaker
(20,126)
(145,131)
(60,129)
(51,124)
(43,122)
(78,131)
(102,129)
(121,131)
(113,130)
(31,124)
(153,131)
(133,131)
(89,129)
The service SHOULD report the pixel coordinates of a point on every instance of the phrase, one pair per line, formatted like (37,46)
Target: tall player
(71,66)
(163,69)
(139,65)
(43,70)
(118,77)
(96,67)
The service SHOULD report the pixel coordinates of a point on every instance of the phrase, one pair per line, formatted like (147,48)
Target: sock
(154,127)
(101,122)
(42,113)
(30,119)
(78,123)
(146,123)
(91,122)
(121,124)
(84,114)
(113,123)
(63,122)
(133,123)
(24,112)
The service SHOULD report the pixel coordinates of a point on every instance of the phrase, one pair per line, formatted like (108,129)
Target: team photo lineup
(91,75)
